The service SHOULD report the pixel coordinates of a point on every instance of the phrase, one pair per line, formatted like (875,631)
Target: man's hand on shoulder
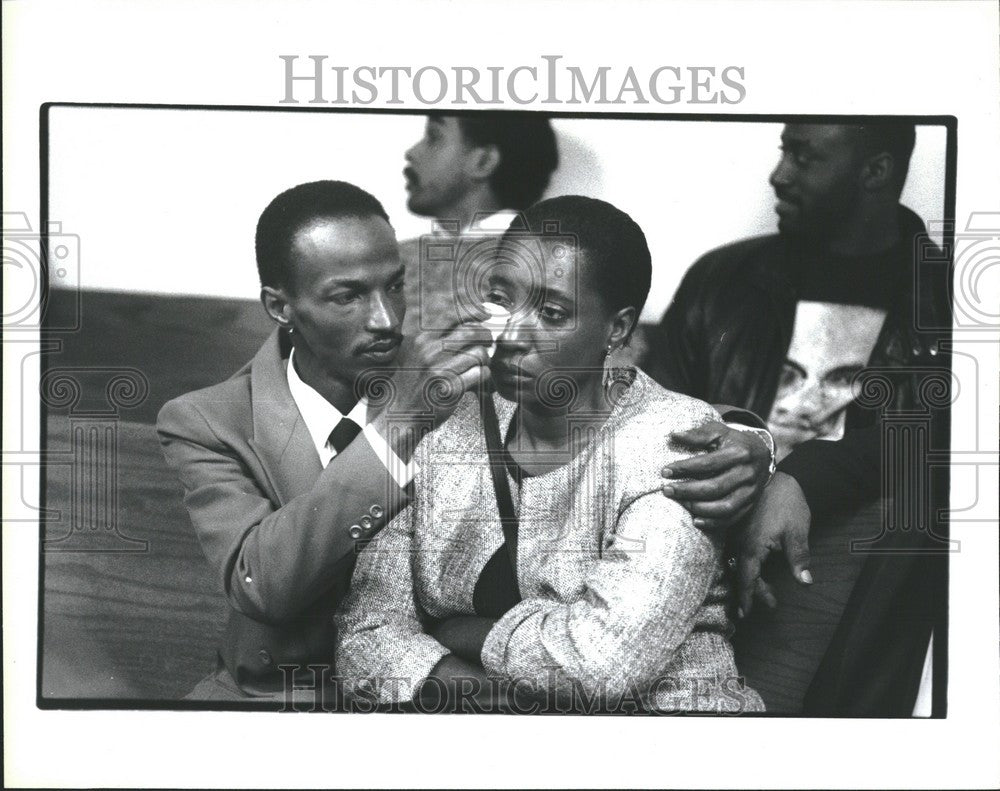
(723,483)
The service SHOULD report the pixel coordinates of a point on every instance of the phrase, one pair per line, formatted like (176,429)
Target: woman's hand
(726,481)
(463,635)
(458,679)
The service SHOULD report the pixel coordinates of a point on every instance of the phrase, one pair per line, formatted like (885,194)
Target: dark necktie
(343,434)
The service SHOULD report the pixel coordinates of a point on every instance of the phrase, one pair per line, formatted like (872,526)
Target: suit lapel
(281,440)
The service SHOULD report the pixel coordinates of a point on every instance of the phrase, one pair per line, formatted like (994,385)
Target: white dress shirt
(481,223)
(321,417)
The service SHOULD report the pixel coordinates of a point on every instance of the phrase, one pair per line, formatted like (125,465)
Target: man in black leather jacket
(843,240)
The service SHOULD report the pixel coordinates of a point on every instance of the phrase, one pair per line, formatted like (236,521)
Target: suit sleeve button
(355,531)
(366,523)
(264,656)
(376,511)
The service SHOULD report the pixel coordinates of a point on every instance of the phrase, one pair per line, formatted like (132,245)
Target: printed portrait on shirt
(831,343)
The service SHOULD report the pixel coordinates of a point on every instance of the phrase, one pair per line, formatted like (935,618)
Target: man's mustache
(383,343)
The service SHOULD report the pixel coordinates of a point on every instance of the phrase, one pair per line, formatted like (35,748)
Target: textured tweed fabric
(622,595)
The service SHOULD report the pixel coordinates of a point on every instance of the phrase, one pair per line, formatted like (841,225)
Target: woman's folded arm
(380,626)
(637,606)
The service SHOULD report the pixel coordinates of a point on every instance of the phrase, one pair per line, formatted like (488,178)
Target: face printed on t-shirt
(831,343)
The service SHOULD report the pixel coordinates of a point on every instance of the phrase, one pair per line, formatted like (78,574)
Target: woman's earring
(609,368)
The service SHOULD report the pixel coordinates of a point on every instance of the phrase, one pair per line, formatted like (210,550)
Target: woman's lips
(507,370)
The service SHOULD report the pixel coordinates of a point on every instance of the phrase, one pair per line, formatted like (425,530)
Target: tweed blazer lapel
(281,440)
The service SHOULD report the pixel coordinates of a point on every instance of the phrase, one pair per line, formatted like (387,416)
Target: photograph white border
(880,58)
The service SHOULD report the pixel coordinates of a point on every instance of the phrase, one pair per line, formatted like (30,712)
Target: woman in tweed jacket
(612,594)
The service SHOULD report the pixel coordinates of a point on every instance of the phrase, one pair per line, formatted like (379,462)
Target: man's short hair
(294,208)
(896,138)
(528,152)
(617,256)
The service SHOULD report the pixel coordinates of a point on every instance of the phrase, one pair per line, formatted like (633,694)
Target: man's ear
(483,162)
(275,302)
(622,324)
(878,172)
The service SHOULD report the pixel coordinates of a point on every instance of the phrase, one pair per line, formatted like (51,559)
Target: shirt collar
(320,416)
(498,222)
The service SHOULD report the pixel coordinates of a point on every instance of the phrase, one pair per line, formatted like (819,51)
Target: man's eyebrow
(800,145)
(347,282)
(360,285)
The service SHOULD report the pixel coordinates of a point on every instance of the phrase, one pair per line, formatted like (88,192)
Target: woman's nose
(518,334)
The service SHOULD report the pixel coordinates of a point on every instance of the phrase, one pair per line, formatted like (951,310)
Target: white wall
(167,200)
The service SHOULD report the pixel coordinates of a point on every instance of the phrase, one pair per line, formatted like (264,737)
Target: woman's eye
(498,298)
(396,287)
(553,314)
(343,299)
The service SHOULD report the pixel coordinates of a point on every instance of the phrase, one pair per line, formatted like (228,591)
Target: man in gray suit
(287,466)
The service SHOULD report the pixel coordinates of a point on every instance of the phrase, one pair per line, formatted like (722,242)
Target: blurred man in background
(781,325)
(470,175)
